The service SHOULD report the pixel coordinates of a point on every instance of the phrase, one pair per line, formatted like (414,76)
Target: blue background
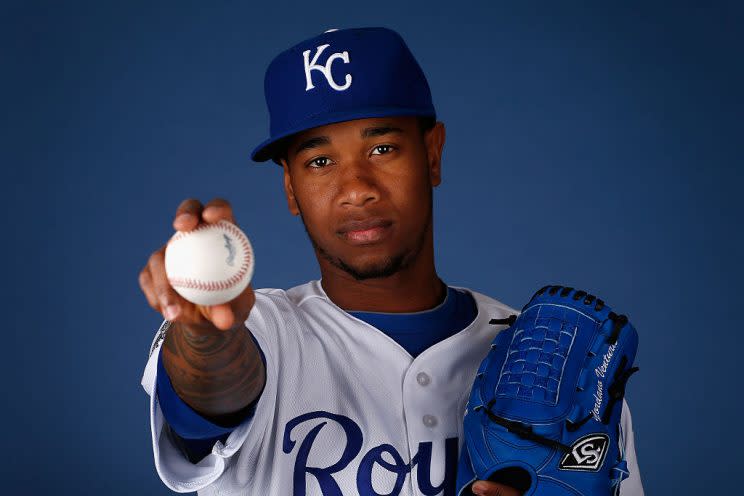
(594,146)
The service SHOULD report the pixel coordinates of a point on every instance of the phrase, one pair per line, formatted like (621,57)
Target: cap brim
(269,149)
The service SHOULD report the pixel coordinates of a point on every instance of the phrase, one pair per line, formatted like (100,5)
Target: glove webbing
(523,430)
(618,321)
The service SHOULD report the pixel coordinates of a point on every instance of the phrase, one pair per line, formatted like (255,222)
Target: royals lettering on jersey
(352,445)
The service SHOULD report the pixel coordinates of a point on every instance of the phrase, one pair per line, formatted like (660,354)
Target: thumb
(221,316)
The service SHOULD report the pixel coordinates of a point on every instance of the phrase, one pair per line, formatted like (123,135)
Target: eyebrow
(312,143)
(372,132)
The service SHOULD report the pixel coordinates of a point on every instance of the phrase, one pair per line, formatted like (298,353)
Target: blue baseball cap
(339,76)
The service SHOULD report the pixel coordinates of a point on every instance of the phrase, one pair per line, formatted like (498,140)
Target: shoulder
(283,308)
(295,297)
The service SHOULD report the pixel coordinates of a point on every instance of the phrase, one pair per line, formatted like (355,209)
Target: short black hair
(425,123)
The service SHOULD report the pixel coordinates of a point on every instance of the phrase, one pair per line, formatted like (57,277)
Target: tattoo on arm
(218,373)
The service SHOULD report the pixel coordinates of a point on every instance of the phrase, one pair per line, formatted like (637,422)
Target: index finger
(188,215)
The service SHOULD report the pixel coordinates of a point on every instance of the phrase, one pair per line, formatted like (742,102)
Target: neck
(413,289)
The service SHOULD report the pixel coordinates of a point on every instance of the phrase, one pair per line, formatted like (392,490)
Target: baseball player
(355,383)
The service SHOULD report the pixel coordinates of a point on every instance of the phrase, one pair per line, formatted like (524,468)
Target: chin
(376,267)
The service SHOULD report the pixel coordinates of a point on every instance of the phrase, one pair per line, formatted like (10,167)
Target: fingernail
(478,488)
(170,312)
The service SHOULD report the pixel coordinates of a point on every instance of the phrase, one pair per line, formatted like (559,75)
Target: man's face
(364,191)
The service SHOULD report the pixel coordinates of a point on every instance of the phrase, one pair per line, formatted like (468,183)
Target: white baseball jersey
(345,410)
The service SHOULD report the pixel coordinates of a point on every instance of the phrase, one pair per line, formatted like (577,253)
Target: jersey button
(423,379)
(430,421)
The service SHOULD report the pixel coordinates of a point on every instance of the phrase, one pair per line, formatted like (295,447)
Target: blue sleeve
(194,434)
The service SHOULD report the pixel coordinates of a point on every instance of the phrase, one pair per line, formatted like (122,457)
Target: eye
(382,149)
(318,162)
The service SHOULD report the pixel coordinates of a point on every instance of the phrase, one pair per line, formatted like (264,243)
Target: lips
(365,231)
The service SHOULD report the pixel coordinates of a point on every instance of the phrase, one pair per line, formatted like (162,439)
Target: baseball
(211,264)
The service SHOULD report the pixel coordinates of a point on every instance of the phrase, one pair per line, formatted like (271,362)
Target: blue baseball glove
(544,411)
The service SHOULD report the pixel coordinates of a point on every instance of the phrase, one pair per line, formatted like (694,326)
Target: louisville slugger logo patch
(587,453)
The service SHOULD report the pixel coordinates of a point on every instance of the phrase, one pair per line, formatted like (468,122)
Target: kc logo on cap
(338,76)
(312,65)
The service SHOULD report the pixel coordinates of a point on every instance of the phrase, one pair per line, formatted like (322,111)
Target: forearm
(217,373)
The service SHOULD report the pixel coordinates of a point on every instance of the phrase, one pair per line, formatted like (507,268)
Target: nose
(357,185)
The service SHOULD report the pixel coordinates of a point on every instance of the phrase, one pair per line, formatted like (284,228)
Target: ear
(434,141)
(288,191)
